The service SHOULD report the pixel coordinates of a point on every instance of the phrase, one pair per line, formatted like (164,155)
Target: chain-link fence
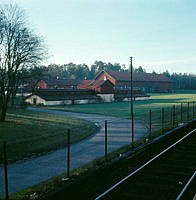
(113,134)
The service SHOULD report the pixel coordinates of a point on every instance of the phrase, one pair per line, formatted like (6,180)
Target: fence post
(68,153)
(162,120)
(150,124)
(187,111)
(5,170)
(172,117)
(193,109)
(181,114)
(177,113)
(106,140)
(174,112)
(132,133)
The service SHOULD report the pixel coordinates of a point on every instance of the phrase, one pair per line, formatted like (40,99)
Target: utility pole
(132,122)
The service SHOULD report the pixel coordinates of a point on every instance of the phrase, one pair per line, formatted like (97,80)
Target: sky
(159,34)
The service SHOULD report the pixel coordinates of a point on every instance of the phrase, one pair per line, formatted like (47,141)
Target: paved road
(29,172)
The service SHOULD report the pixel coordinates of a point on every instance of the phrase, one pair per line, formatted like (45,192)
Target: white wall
(142,98)
(136,98)
(84,101)
(107,97)
(38,100)
(52,103)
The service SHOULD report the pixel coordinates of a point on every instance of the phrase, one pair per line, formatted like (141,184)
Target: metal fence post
(177,114)
(150,124)
(5,170)
(171,122)
(162,120)
(174,112)
(187,111)
(68,153)
(106,140)
(181,113)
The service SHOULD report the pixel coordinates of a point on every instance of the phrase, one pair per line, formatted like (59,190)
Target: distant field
(30,133)
(156,102)
(122,109)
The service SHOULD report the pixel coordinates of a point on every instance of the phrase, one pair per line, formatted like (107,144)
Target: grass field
(141,108)
(122,109)
(31,133)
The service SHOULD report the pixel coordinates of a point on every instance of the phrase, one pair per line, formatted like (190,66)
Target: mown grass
(29,133)
(156,102)
(122,109)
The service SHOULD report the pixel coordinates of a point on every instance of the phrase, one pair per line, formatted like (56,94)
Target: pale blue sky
(160,34)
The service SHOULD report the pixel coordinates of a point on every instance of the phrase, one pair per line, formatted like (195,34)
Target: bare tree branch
(19,48)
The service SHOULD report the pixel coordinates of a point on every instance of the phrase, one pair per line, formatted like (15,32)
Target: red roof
(62,82)
(86,83)
(125,76)
(92,83)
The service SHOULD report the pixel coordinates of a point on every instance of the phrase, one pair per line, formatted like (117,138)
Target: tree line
(183,81)
(84,72)
(73,71)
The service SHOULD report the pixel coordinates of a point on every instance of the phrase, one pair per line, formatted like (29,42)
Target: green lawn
(141,108)
(39,133)
(122,109)
(31,133)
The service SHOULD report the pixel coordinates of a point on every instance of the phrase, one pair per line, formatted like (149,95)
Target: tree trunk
(5,101)
(3,112)
(13,99)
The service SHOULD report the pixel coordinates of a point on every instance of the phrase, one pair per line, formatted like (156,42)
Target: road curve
(29,172)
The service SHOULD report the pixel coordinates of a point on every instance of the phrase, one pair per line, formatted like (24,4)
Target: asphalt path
(29,172)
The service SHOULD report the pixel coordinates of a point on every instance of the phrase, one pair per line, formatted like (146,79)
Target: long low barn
(62,96)
(104,93)
(146,82)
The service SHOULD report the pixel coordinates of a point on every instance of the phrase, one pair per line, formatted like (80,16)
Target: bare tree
(19,48)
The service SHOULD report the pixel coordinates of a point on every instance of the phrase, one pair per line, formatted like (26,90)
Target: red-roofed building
(147,82)
(105,89)
(58,83)
(99,86)
(113,86)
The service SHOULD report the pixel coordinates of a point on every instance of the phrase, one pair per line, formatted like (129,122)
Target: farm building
(124,94)
(62,96)
(107,87)
(108,92)
(87,91)
(100,86)
(57,83)
(146,82)
(103,89)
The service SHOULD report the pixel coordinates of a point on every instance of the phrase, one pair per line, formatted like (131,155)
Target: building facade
(62,96)
(146,82)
